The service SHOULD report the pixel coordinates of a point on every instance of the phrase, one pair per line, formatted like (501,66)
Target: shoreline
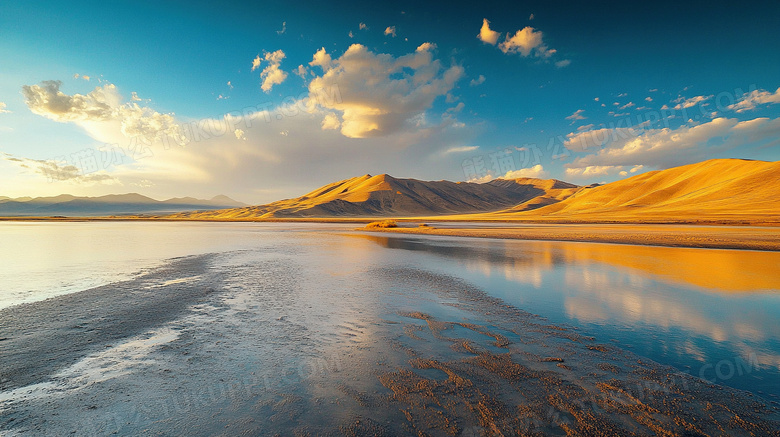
(724,237)
(688,234)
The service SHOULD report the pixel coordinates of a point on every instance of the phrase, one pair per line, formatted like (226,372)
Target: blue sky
(161,97)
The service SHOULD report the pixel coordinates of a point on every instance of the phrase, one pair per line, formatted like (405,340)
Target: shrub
(382,224)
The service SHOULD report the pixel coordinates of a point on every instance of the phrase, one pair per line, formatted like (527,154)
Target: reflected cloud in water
(686,307)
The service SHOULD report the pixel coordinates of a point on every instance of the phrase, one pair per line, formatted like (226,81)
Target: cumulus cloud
(526,41)
(330,122)
(98,109)
(272,150)
(478,81)
(2,108)
(272,74)
(46,99)
(755,98)
(256,63)
(390,30)
(426,46)
(487,35)
(536,171)
(301,72)
(321,59)
(240,134)
(664,148)
(381,94)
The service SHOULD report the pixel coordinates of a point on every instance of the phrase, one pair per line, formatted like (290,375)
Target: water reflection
(691,308)
(712,270)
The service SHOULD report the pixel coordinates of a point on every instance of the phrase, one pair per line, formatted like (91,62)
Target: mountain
(384,195)
(718,189)
(112,204)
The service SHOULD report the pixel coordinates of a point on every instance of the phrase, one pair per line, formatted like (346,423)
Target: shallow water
(302,300)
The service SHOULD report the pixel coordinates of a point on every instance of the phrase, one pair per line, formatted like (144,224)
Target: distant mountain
(112,204)
(718,189)
(384,195)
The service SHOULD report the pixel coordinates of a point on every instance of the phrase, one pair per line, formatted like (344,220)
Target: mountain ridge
(111,204)
(383,195)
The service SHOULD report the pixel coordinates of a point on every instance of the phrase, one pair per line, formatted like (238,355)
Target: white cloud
(591,171)
(240,134)
(46,99)
(683,103)
(380,94)
(272,74)
(648,99)
(487,35)
(390,30)
(563,63)
(301,72)
(2,108)
(577,115)
(61,171)
(85,77)
(757,97)
(363,26)
(321,59)
(626,106)
(134,96)
(350,34)
(525,41)
(584,127)
(426,46)
(460,149)
(101,113)
(283,29)
(478,81)
(256,63)
(212,159)
(664,148)
(536,171)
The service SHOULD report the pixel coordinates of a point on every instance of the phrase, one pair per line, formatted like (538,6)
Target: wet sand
(191,349)
(714,237)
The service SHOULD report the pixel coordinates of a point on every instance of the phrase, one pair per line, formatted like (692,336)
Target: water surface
(711,313)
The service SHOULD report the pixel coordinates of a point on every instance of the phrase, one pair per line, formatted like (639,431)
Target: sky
(268,100)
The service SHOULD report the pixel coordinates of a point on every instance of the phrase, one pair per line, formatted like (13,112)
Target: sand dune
(384,195)
(718,189)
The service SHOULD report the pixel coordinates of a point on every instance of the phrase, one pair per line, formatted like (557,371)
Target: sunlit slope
(384,195)
(714,189)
